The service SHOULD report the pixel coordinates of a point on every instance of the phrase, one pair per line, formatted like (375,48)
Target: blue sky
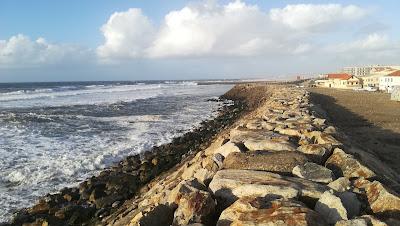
(47,40)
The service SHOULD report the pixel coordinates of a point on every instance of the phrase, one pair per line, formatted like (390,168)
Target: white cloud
(310,16)
(371,42)
(127,34)
(210,29)
(21,51)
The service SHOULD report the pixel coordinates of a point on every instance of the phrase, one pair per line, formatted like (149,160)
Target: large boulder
(280,162)
(227,148)
(270,144)
(343,164)
(229,185)
(331,208)
(194,203)
(240,134)
(313,172)
(318,153)
(268,211)
(383,201)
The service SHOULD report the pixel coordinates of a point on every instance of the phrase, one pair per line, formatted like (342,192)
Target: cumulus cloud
(210,29)
(21,51)
(310,16)
(127,34)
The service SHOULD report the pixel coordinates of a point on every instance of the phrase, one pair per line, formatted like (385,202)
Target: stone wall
(278,165)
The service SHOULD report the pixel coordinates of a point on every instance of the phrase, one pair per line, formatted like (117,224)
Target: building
(366,70)
(389,82)
(339,81)
(357,71)
(372,80)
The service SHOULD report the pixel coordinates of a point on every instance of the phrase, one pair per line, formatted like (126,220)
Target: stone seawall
(278,165)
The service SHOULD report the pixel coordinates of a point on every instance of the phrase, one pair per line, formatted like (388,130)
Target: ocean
(54,135)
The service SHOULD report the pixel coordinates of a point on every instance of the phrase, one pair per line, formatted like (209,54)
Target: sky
(73,40)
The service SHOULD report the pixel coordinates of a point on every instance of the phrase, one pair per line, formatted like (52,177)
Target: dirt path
(371,120)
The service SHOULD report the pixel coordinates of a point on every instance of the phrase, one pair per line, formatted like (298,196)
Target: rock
(323,138)
(331,208)
(204,175)
(218,160)
(268,145)
(229,185)
(282,162)
(354,222)
(318,153)
(373,221)
(256,124)
(195,207)
(194,203)
(267,211)
(154,216)
(343,164)
(239,135)
(227,148)
(288,131)
(41,207)
(313,172)
(341,184)
(330,130)
(382,201)
(351,203)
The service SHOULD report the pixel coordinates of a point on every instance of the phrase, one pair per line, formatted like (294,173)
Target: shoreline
(90,198)
(276,160)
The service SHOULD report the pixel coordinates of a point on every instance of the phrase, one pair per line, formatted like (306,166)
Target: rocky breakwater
(101,195)
(278,165)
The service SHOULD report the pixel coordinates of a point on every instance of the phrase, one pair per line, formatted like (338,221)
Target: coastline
(125,178)
(275,159)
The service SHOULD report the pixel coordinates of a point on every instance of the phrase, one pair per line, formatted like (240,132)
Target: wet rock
(229,185)
(354,222)
(318,153)
(383,201)
(282,162)
(341,184)
(313,172)
(268,145)
(331,208)
(227,148)
(343,164)
(41,207)
(268,211)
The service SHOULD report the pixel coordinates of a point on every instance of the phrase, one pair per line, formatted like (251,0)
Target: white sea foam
(37,158)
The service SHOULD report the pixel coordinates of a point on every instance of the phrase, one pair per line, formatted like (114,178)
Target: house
(389,82)
(372,80)
(342,81)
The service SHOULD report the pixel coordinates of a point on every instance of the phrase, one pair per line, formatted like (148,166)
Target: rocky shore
(278,163)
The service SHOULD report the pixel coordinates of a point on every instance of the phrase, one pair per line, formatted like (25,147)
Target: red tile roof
(342,76)
(396,73)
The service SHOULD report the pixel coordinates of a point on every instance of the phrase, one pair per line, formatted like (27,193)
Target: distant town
(369,78)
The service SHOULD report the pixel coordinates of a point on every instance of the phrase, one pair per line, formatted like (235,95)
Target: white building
(366,70)
(389,82)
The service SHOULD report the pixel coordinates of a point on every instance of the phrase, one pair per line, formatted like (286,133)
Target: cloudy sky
(46,40)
